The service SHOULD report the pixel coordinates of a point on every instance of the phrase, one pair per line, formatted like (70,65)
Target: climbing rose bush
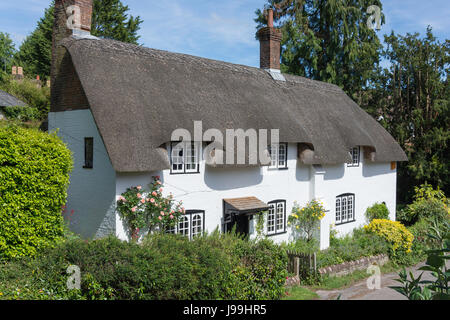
(149,211)
(306,220)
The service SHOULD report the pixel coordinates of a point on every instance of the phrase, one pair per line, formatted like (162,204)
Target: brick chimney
(72,17)
(270,45)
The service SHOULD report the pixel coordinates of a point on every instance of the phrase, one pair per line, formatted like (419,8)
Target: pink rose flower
(162,213)
(133,209)
(139,195)
(160,218)
(143,201)
(160,189)
(154,193)
(139,187)
(152,200)
(171,217)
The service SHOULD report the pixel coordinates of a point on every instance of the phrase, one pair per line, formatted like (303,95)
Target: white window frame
(186,163)
(278,155)
(355,154)
(276,218)
(189,224)
(345,209)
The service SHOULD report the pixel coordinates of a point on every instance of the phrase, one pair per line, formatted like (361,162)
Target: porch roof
(247,205)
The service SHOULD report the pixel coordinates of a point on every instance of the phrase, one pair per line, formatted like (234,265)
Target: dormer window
(184,157)
(355,154)
(278,156)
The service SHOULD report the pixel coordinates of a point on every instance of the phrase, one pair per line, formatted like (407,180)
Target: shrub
(22,113)
(34,174)
(305,221)
(428,203)
(400,240)
(377,211)
(28,91)
(162,267)
(352,247)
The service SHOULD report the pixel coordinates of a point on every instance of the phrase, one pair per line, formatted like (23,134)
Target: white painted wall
(205,191)
(91,192)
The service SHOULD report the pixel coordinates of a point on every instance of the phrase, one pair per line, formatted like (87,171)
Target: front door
(232,219)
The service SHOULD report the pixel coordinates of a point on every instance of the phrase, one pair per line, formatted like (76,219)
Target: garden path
(360,290)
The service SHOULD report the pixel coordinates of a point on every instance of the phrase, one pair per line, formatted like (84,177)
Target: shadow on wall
(302,172)
(375,169)
(227,179)
(334,172)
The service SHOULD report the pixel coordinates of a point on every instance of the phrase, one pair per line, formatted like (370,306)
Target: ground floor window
(345,208)
(191,224)
(276,218)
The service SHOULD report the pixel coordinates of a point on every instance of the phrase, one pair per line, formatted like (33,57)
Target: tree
(411,99)
(7,51)
(109,20)
(35,53)
(327,40)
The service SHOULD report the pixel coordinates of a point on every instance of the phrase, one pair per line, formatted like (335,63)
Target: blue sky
(221,29)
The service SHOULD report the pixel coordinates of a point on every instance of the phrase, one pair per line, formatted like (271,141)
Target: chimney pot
(14,70)
(270,18)
(20,71)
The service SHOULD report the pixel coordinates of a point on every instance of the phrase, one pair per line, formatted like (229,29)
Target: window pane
(271,219)
(191,157)
(350,208)
(197,225)
(344,209)
(183,226)
(338,210)
(356,156)
(177,157)
(281,212)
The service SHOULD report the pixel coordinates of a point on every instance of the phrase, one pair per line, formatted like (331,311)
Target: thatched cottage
(116,106)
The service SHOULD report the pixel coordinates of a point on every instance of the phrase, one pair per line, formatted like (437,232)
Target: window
(278,156)
(191,224)
(88,153)
(345,209)
(355,154)
(276,218)
(184,157)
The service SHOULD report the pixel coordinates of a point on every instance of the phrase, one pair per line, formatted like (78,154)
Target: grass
(300,293)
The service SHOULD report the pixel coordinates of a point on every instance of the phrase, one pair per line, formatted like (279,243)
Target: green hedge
(163,267)
(34,175)
(21,113)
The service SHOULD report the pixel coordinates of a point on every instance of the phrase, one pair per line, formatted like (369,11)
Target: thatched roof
(139,96)
(8,100)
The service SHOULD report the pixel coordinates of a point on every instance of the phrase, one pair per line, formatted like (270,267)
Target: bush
(34,174)
(377,211)
(428,203)
(400,240)
(305,221)
(162,267)
(29,92)
(22,113)
(352,247)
